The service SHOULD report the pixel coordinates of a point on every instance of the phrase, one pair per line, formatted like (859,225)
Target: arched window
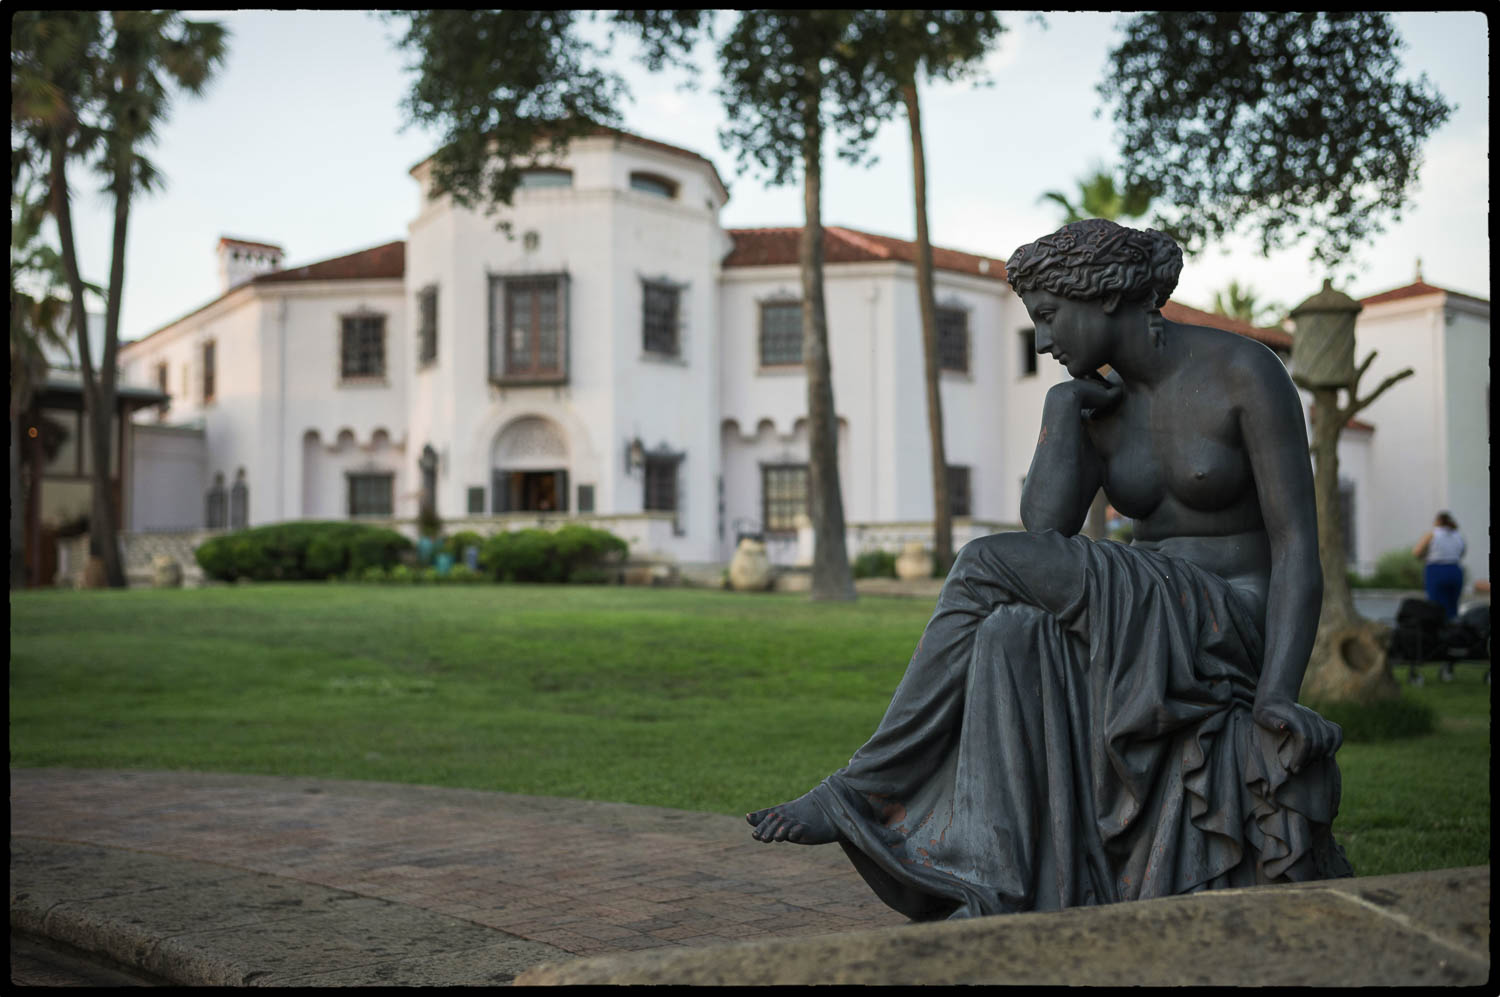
(653,183)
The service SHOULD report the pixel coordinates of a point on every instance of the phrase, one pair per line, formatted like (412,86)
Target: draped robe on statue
(1032,761)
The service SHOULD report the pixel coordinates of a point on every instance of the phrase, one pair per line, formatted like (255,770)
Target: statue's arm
(1065,469)
(1270,413)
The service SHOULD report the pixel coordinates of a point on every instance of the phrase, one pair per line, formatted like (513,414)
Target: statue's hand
(1306,736)
(1093,395)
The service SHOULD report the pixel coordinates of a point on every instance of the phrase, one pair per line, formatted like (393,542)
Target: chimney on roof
(1419,269)
(240,260)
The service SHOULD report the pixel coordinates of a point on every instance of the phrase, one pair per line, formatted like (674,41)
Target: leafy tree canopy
(1291,124)
(508,89)
(778,66)
(943,44)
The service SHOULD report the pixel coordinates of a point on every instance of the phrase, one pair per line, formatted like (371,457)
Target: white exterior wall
(166,463)
(1467,430)
(607,239)
(1432,439)
(231,420)
(283,413)
(369,415)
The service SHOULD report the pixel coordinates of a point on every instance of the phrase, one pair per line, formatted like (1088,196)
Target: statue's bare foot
(801,821)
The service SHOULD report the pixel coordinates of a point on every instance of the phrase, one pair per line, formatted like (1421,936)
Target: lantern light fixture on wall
(635,455)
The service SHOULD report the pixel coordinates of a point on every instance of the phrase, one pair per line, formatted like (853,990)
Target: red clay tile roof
(1414,290)
(248,242)
(761,247)
(1276,339)
(381,262)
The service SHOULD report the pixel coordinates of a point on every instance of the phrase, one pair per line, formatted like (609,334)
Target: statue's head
(1098,260)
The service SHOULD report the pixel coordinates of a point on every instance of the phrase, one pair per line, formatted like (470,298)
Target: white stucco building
(618,354)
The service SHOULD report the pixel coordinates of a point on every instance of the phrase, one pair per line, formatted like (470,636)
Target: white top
(1447,546)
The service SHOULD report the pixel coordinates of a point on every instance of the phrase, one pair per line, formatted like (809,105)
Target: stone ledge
(1414,929)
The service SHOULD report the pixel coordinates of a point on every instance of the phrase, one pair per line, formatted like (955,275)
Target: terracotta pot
(750,570)
(914,562)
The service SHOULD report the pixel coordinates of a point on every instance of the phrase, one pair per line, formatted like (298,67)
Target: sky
(301,141)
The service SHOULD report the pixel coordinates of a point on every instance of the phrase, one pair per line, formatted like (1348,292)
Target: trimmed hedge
(298,551)
(875,564)
(1395,569)
(569,554)
(458,542)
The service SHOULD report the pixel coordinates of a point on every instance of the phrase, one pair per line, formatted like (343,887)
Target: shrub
(875,564)
(401,573)
(374,573)
(459,542)
(215,559)
(1383,720)
(1396,569)
(573,553)
(294,551)
(463,574)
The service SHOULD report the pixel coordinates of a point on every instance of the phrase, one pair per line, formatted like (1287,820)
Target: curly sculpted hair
(1094,258)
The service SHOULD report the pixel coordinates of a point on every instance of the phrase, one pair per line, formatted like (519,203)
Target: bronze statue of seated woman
(1088,722)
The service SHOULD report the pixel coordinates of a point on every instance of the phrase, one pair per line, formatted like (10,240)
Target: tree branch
(1358,405)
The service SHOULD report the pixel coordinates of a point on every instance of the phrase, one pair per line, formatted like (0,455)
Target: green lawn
(702,700)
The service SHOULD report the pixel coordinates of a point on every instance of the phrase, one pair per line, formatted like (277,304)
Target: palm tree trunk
(942,512)
(103,533)
(103,541)
(831,574)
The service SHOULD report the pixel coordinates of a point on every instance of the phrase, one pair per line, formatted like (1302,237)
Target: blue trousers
(1444,583)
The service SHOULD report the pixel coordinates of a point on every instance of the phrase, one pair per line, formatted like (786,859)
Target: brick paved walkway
(587,877)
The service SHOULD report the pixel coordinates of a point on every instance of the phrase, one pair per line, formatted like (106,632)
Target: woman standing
(1443,548)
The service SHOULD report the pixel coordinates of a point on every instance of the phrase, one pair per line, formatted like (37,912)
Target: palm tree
(946,44)
(1100,197)
(1241,302)
(85,85)
(38,321)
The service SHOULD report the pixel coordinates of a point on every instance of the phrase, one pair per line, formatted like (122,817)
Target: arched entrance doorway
(529,465)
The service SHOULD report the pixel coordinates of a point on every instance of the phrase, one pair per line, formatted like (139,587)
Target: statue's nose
(1043,340)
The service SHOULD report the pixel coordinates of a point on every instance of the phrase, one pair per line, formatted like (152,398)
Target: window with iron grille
(780,333)
(953,339)
(528,326)
(661,482)
(783,495)
(208,371)
(1028,352)
(370,493)
(427,304)
(959,496)
(362,346)
(659,317)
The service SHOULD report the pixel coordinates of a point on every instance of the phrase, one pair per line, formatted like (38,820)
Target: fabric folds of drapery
(1035,760)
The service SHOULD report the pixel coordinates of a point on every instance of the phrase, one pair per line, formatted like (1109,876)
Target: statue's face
(1078,334)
